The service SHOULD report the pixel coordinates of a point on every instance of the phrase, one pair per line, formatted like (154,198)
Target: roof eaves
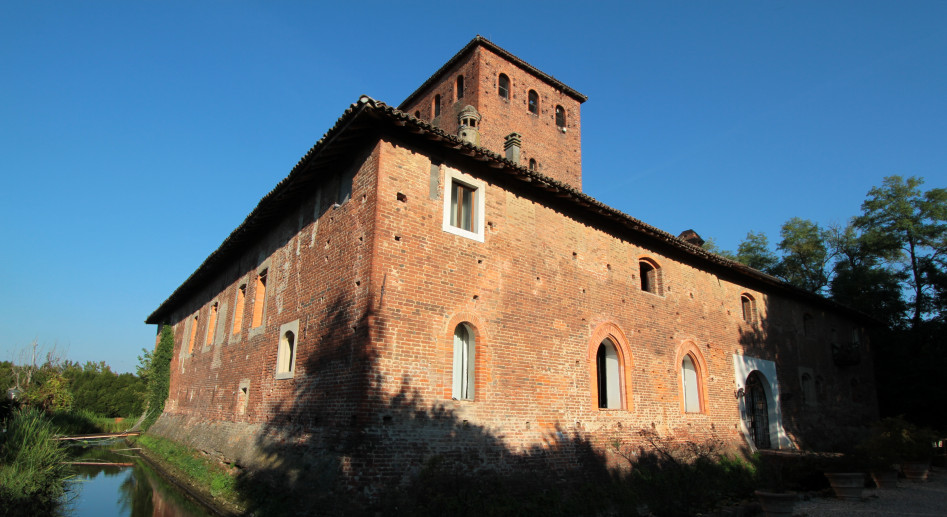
(237,237)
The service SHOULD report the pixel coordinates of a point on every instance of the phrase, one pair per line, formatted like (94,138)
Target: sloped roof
(362,122)
(484,42)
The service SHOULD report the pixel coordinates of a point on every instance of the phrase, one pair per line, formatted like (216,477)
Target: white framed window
(286,353)
(463,204)
(465,352)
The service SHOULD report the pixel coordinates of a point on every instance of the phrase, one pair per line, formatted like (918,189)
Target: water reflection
(135,491)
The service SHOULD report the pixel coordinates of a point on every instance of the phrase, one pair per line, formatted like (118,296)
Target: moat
(121,483)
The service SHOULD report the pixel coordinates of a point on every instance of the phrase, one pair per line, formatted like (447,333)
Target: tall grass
(32,471)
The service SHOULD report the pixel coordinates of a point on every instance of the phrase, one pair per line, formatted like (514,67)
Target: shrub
(32,472)
(684,477)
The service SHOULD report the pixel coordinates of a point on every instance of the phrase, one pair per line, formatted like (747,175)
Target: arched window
(748,305)
(608,376)
(286,356)
(533,99)
(560,117)
(650,275)
(460,87)
(756,403)
(437,105)
(691,384)
(532,164)
(417,114)
(465,351)
(503,87)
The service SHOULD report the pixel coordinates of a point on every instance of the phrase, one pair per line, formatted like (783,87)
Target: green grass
(204,472)
(32,472)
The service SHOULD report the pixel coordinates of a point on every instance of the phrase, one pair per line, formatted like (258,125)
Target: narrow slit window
(503,87)
(211,325)
(437,105)
(532,164)
(460,87)
(259,300)
(533,99)
(238,308)
(463,364)
(193,337)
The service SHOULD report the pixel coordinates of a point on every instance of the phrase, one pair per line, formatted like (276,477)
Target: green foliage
(156,370)
(32,472)
(711,245)
(95,387)
(49,391)
(754,252)
(805,254)
(862,281)
(661,471)
(894,439)
(908,228)
(74,422)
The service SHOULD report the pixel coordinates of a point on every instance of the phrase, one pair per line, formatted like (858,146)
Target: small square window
(463,204)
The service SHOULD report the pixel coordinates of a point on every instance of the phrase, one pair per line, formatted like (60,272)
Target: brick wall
(377,288)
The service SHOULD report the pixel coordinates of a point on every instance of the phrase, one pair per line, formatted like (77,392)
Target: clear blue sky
(134,136)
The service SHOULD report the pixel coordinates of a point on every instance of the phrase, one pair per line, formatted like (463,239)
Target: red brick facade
(372,283)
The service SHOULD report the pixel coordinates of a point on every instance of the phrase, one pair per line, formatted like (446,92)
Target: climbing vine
(156,369)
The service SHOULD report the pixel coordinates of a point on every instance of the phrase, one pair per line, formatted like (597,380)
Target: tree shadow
(342,446)
(814,347)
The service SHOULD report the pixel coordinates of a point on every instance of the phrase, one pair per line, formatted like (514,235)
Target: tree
(908,228)
(711,246)
(862,281)
(754,252)
(805,254)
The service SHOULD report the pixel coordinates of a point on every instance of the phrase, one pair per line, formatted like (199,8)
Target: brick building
(429,280)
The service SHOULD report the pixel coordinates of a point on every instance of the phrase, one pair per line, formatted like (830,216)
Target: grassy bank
(32,472)
(204,477)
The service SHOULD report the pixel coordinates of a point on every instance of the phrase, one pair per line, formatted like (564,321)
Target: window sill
(285,375)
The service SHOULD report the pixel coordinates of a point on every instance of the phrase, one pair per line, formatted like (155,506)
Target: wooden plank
(97,436)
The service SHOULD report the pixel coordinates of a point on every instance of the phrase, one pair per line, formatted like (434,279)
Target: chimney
(469,120)
(512,147)
(690,236)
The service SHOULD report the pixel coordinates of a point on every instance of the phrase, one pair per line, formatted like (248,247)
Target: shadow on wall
(824,398)
(341,446)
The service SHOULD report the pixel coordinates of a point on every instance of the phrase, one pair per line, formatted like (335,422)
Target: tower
(509,96)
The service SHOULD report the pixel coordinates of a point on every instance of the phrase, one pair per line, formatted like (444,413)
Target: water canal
(115,481)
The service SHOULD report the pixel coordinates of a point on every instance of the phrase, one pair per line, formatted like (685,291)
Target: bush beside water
(32,471)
